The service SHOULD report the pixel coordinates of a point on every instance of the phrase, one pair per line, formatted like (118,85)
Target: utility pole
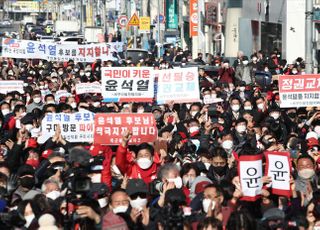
(309,13)
(158,26)
(81,16)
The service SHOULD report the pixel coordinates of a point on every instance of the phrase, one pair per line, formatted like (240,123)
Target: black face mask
(220,170)
(27,182)
(292,115)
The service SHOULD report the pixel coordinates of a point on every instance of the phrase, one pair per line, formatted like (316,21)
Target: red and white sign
(179,85)
(278,168)
(82,88)
(122,21)
(193,17)
(127,84)
(250,174)
(299,91)
(10,85)
(110,127)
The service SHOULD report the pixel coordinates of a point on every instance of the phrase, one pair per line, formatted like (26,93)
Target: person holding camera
(143,164)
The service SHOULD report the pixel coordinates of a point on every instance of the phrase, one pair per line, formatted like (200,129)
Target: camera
(80,182)
(11,219)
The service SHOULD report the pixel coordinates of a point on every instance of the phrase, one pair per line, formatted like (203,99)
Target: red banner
(109,128)
(299,91)
(278,167)
(193,18)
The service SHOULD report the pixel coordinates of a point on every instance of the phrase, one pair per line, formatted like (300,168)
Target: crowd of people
(187,179)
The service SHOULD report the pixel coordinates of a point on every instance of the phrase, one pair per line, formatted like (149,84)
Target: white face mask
(260,106)
(228,144)
(248,107)
(50,102)
(193,129)
(306,173)
(206,203)
(88,74)
(60,72)
(96,104)
(96,178)
(5,112)
(37,100)
(144,163)
(235,108)
(53,195)
(258,136)
(35,132)
(193,113)
(275,115)
(245,62)
(81,73)
(177,181)
(73,105)
(241,128)
(103,202)
(140,111)
(29,219)
(207,165)
(138,203)
(120,209)
(242,88)
(28,127)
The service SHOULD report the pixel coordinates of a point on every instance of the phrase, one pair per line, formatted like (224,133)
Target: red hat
(312,142)
(201,186)
(31,143)
(47,153)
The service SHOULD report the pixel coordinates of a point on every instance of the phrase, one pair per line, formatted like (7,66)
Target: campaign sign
(110,127)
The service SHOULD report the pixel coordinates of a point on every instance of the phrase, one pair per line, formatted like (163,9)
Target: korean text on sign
(250,175)
(75,127)
(9,86)
(278,168)
(82,88)
(127,84)
(179,85)
(299,91)
(57,52)
(109,128)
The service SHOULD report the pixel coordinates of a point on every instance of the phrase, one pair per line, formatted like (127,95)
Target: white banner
(82,88)
(250,173)
(179,85)
(75,127)
(59,52)
(278,168)
(9,86)
(127,84)
(61,93)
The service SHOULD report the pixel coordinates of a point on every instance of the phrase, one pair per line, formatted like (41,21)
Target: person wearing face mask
(27,182)
(235,111)
(36,101)
(144,165)
(219,169)
(307,179)
(226,73)
(51,189)
(100,192)
(244,71)
(158,116)
(239,133)
(188,173)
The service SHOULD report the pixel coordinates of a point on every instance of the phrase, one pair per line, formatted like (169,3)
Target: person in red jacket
(143,164)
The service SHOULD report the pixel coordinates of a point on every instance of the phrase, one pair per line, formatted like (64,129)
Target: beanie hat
(47,222)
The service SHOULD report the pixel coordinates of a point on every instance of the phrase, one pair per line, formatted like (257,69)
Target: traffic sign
(144,25)
(134,20)
(161,18)
(122,21)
